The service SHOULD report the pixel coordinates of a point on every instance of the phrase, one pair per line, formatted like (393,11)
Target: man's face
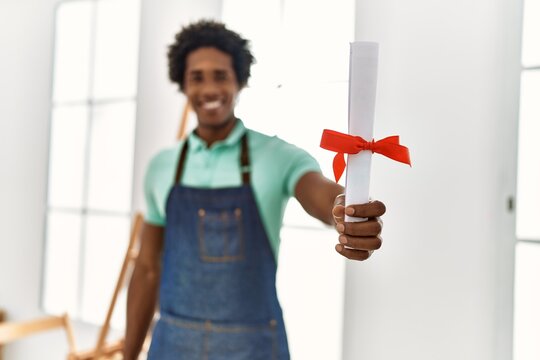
(210,86)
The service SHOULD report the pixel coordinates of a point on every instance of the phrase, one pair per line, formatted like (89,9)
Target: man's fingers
(367,228)
(369,210)
(361,243)
(358,240)
(353,254)
(339,213)
(340,200)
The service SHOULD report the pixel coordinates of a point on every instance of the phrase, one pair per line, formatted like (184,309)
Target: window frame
(86,211)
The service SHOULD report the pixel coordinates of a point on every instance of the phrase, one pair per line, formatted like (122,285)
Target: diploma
(364,57)
(359,143)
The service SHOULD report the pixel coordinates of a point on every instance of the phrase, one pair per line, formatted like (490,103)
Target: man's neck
(211,134)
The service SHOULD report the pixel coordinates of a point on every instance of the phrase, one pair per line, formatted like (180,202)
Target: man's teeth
(211,105)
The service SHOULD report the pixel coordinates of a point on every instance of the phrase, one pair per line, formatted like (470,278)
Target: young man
(215,207)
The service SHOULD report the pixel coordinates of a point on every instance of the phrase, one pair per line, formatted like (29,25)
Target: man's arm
(324,200)
(317,195)
(143,290)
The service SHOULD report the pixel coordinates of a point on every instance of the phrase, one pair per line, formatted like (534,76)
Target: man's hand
(357,240)
(320,198)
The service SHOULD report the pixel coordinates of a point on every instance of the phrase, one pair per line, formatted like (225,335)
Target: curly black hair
(209,33)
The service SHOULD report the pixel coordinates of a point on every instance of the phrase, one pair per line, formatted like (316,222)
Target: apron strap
(180,167)
(244,161)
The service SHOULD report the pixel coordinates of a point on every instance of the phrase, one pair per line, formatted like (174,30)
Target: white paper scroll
(364,57)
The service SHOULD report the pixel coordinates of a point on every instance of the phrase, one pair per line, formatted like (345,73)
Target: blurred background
(85,102)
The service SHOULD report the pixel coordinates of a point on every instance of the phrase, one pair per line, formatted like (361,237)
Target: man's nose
(209,88)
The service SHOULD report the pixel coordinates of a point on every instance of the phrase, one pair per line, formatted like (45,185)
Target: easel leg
(2,319)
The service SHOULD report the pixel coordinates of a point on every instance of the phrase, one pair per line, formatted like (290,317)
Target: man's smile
(211,105)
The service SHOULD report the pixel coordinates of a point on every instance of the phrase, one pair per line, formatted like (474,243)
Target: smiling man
(215,208)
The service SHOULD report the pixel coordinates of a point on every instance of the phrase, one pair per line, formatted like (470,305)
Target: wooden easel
(2,319)
(15,330)
(104,350)
(183,122)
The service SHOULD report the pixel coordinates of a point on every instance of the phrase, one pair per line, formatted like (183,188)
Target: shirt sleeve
(299,163)
(153,214)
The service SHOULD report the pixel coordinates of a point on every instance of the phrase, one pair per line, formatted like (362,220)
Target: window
(527,272)
(91,155)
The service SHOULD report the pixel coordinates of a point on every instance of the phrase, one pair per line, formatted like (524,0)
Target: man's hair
(208,33)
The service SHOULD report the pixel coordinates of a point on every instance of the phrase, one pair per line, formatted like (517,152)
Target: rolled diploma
(363,63)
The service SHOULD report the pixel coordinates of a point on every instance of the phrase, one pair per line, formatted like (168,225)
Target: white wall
(25,70)
(441,286)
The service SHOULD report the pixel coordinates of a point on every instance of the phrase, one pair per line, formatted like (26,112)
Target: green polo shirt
(276,167)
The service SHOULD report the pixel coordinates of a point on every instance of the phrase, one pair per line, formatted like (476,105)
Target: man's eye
(195,78)
(221,76)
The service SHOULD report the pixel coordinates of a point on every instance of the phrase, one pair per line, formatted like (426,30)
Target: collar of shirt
(198,144)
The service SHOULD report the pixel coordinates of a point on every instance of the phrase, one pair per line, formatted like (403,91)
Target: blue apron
(217,295)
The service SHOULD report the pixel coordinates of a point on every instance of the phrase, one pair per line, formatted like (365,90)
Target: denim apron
(217,295)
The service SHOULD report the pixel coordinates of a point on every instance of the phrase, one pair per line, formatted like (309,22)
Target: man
(215,207)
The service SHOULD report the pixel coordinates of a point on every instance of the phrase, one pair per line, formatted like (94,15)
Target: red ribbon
(344,143)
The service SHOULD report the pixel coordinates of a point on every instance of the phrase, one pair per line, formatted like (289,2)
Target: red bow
(344,143)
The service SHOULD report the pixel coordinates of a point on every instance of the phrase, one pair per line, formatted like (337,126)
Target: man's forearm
(317,194)
(141,304)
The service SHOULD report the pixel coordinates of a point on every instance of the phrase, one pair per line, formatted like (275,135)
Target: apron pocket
(221,235)
(173,342)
